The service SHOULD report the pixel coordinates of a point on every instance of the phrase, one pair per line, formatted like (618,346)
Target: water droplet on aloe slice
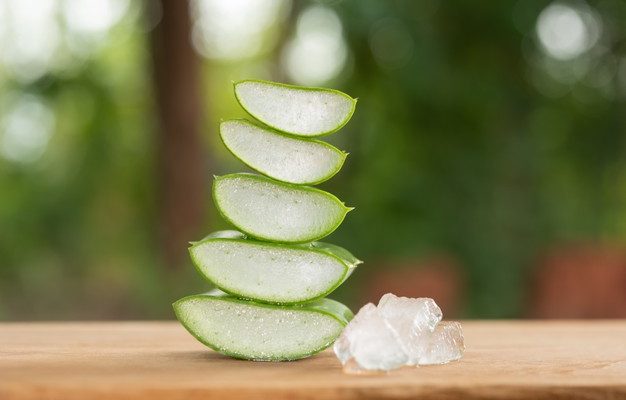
(271,272)
(270,210)
(279,156)
(249,330)
(295,110)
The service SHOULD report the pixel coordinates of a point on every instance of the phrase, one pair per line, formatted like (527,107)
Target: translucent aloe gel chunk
(293,109)
(279,156)
(270,272)
(270,210)
(249,330)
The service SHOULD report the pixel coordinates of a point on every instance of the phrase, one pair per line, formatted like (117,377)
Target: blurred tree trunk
(182,171)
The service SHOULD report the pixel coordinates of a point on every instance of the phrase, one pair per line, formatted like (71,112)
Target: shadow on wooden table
(211,355)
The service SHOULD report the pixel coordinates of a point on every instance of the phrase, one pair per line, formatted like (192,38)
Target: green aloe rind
(262,332)
(275,211)
(296,110)
(280,156)
(271,272)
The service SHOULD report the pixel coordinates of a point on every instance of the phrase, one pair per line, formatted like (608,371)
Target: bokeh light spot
(233,29)
(318,52)
(566,32)
(30,38)
(89,22)
(26,129)
(93,16)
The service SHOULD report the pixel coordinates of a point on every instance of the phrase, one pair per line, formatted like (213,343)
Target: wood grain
(159,360)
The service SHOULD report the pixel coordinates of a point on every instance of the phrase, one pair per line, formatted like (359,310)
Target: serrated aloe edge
(273,273)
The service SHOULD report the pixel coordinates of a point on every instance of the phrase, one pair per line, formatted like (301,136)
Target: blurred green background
(487,165)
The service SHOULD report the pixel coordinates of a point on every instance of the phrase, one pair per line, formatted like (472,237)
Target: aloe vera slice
(262,332)
(279,156)
(296,110)
(271,272)
(281,212)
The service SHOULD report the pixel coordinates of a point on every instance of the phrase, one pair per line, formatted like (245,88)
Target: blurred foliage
(469,140)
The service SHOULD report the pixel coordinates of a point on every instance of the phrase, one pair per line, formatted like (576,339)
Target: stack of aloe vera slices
(272,274)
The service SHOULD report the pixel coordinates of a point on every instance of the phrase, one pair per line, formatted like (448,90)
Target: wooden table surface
(160,360)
